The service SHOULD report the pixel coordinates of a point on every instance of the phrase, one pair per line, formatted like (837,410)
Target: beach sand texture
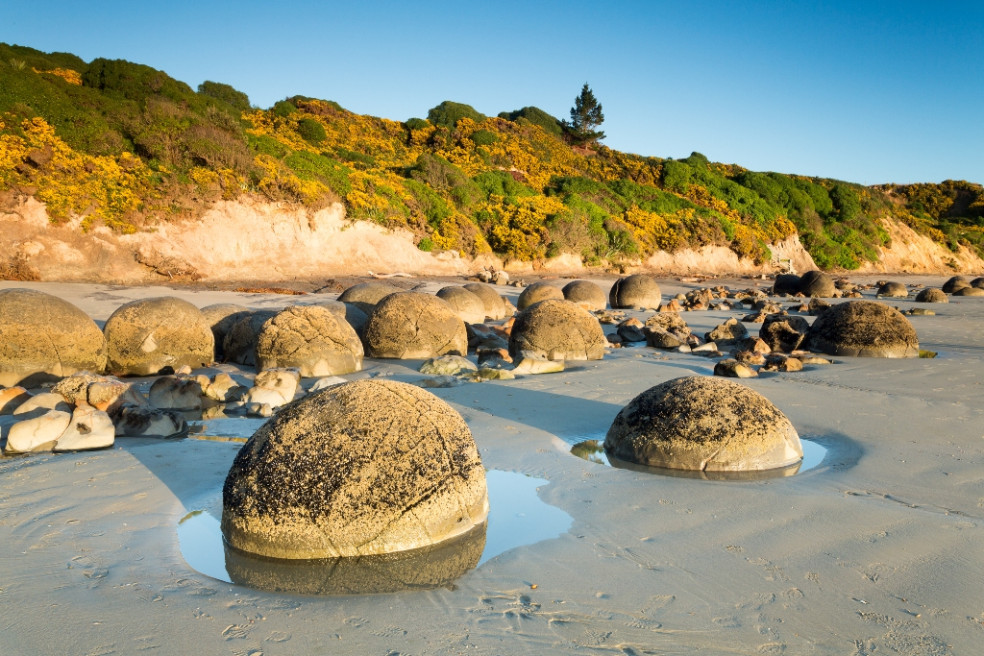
(878,550)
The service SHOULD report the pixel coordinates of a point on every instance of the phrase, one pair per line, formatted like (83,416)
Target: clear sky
(864,91)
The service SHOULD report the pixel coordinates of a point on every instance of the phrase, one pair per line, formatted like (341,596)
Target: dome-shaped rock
(892,289)
(495,309)
(784,332)
(367,467)
(147,335)
(703,424)
(365,295)
(932,295)
(222,317)
(969,291)
(817,283)
(43,337)
(978,283)
(310,338)
(636,291)
(411,325)
(955,283)
(586,294)
(557,330)
(239,344)
(786,283)
(863,328)
(538,291)
(466,304)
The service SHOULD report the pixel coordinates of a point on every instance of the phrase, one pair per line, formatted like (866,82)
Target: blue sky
(868,92)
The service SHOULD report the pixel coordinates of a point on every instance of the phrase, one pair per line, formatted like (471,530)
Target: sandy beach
(879,549)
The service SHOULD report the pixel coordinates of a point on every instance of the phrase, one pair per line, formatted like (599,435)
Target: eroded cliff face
(252,241)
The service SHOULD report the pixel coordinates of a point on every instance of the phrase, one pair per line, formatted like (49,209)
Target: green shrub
(311,131)
(283,108)
(312,166)
(416,123)
(225,93)
(536,116)
(448,114)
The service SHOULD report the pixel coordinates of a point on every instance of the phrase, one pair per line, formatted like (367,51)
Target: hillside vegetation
(119,144)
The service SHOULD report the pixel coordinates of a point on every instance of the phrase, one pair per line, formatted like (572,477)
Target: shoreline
(880,547)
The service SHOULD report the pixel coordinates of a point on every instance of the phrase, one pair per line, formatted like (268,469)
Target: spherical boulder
(586,294)
(865,329)
(784,332)
(239,343)
(557,330)
(414,325)
(786,284)
(367,467)
(365,295)
(932,295)
(818,284)
(706,424)
(892,289)
(310,338)
(222,317)
(977,282)
(955,283)
(538,291)
(636,291)
(495,309)
(43,337)
(969,290)
(466,304)
(147,335)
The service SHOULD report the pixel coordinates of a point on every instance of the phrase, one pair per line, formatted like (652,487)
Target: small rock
(176,393)
(447,365)
(326,382)
(10,398)
(44,401)
(731,368)
(39,433)
(89,429)
(538,366)
(141,421)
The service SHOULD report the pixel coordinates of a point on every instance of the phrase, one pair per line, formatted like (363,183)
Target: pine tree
(585,117)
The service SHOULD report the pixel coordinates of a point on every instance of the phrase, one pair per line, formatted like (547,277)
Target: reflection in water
(594,451)
(517,517)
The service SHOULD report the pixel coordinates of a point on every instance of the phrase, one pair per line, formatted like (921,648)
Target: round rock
(365,295)
(412,325)
(147,335)
(43,337)
(932,295)
(863,328)
(310,338)
(818,284)
(969,291)
(955,283)
(495,309)
(786,283)
(586,294)
(893,290)
(367,467)
(466,304)
(636,291)
(222,317)
(538,291)
(784,332)
(703,424)
(557,330)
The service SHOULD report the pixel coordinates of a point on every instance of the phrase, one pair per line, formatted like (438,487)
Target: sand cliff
(247,240)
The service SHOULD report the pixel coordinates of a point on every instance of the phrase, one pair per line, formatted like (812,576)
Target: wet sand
(878,550)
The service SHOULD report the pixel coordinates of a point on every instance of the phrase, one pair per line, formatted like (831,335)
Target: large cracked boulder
(466,304)
(557,330)
(310,338)
(703,424)
(495,309)
(636,291)
(43,337)
(954,283)
(586,294)
(414,325)
(367,467)
(148,335)
(865,329)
